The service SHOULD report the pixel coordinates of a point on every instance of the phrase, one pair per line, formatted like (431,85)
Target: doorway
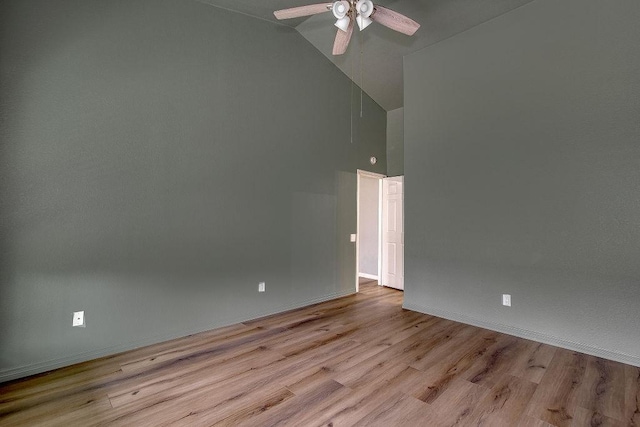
(369,227)
(380,230)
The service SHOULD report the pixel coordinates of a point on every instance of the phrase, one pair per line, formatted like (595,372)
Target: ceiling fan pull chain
(361,72)
(351,103)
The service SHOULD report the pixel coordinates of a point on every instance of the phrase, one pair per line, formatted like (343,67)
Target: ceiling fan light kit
(343,23)
(362,12)
(363,22)
(364,9)
(340,8)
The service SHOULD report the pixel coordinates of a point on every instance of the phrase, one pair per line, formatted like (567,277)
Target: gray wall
(158,160)
(522,175)
(395,142)
(368,223)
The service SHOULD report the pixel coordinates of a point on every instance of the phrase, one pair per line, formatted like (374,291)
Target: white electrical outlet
(506,300)
(78,319)
(352,238)
(261,287)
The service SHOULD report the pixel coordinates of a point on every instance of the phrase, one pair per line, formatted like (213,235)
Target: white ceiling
(374,57)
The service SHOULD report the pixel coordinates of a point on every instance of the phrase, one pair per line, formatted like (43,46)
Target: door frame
(363,173)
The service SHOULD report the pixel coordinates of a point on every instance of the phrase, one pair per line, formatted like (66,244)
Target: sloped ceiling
(374,58)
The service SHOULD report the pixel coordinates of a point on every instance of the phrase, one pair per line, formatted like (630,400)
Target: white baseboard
(368,276)
(527,334)
(48,365)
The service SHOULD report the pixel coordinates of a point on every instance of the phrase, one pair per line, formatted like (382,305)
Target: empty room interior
(405,212)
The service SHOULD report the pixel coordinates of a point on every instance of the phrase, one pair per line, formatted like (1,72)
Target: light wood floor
(359,360)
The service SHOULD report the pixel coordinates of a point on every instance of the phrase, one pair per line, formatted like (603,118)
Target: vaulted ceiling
(374,58)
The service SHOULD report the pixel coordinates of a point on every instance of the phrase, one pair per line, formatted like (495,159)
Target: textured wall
(522,168)
(368,237)
(158,160)
(395,142)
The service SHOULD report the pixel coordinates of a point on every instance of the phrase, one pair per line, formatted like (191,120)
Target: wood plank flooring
(360,360)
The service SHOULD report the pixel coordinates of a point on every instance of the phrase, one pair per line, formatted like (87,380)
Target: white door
(392,232)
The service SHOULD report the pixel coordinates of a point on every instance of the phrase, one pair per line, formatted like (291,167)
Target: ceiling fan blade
(342,40)
(296,12)
(394,20)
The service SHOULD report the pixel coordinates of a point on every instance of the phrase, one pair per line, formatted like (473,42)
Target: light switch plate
(353,238)
(78,319)
(506,300)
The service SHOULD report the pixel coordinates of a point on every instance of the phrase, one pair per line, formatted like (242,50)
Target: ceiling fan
(363,12)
